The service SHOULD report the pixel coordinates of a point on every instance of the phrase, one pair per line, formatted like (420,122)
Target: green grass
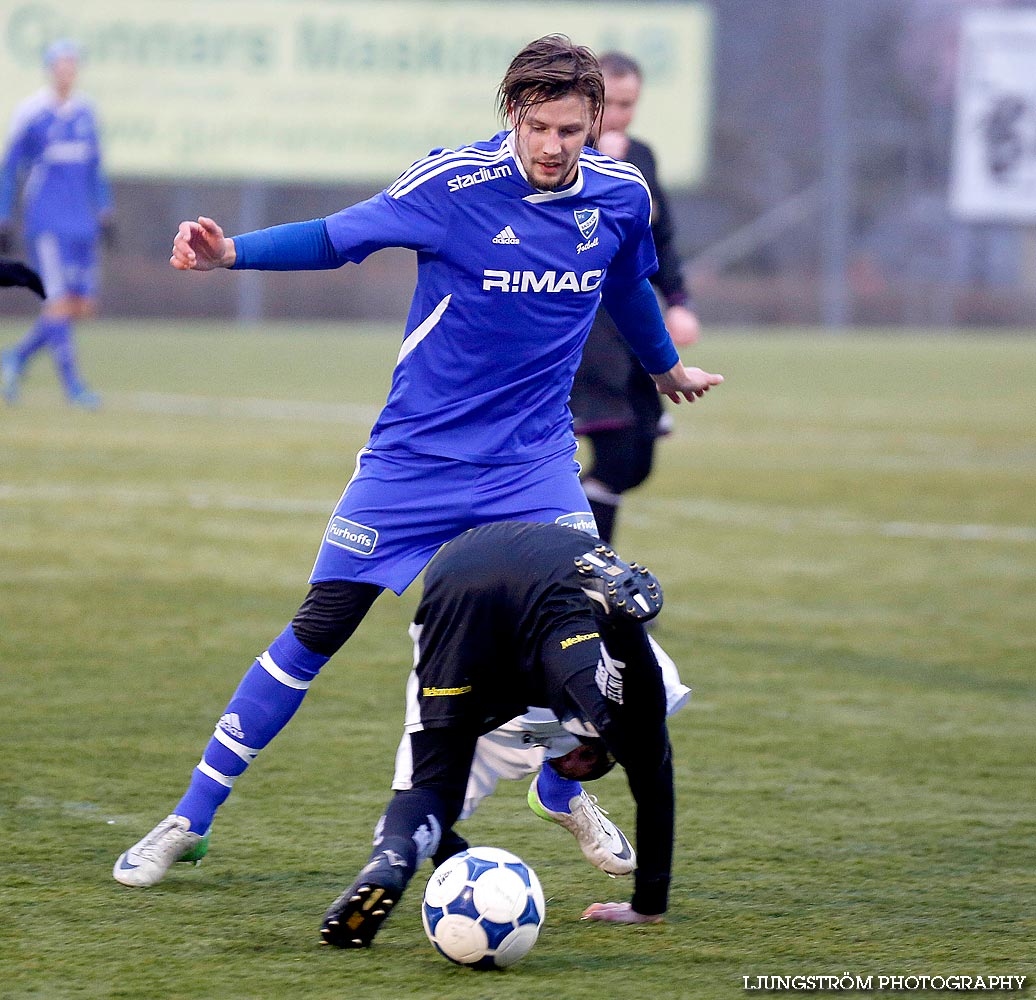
(846,535)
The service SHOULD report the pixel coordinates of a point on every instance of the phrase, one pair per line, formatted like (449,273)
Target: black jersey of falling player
(498,601)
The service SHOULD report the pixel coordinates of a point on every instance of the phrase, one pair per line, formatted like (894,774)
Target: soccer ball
(483,908)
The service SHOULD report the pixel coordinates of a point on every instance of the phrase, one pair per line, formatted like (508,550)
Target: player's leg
(551,492)
(45,257)
(408,833)
(376,538)
(15,359)
(622,460)
(563,800)
(78,260)
(62,346)
(432,763)
(265,701)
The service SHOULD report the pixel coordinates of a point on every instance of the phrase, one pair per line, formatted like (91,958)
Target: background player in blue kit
(518,238)
(54,145)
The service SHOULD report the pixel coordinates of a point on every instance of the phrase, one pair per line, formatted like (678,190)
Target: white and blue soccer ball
(483,908)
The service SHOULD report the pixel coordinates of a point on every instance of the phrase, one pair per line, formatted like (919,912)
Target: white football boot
(147,861)
(603,844)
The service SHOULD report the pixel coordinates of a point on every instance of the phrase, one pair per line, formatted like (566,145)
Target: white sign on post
(994,152)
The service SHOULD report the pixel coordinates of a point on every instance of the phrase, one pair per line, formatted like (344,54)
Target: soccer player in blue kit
(67,202)
(518,239)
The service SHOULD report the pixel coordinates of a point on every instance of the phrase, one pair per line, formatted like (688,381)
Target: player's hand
(201,246)
(619,913)
(682,325)
(688,383)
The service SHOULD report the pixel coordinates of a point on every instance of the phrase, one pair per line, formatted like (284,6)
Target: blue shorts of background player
(67,264)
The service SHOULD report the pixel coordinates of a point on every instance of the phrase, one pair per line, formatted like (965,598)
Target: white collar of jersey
(573,189)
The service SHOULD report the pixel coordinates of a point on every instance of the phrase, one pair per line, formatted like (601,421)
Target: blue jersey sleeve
(12,166)
(101,192)
(629,298)
(636,258)
(102,189)
(297,246)
(417,220)
(636,314)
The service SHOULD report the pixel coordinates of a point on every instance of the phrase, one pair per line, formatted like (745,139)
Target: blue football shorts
(399,508)
(67,265)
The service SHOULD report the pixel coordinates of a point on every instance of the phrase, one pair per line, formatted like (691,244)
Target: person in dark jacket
(614,402)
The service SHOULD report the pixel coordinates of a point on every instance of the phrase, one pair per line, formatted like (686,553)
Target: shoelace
(596,813)
(148,849)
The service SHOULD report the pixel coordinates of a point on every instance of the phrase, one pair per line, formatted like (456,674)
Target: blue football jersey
(57,144)
(509,280)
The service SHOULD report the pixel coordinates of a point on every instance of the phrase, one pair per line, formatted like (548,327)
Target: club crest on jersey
(349,535)
(586,220)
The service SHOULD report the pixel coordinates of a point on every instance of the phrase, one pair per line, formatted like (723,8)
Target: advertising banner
(337,90)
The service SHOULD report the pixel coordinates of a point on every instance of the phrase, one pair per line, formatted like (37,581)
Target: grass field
(847,537)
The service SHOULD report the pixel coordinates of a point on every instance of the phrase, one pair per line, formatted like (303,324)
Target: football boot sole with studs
(623,590)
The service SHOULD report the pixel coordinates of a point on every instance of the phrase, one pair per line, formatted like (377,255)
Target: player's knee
(637,472)
(331,612)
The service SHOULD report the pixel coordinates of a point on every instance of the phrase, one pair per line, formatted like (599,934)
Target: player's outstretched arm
(689,383)
(201,246)
(619,913)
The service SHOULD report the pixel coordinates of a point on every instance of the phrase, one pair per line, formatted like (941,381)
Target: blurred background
(829,162)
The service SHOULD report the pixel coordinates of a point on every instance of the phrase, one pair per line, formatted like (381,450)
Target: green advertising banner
(337,90)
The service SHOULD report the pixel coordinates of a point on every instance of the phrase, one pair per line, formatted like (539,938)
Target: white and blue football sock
(34,341)
(266,699)
(63,351)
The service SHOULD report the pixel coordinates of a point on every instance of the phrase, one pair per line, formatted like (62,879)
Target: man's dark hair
(619,64)
(547,69)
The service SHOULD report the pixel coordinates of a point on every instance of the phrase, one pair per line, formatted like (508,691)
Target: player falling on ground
(512,615)
(517,238)
(54,146)
(527,743)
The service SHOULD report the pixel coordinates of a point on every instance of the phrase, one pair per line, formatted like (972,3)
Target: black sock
(604,515)
(411,827)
